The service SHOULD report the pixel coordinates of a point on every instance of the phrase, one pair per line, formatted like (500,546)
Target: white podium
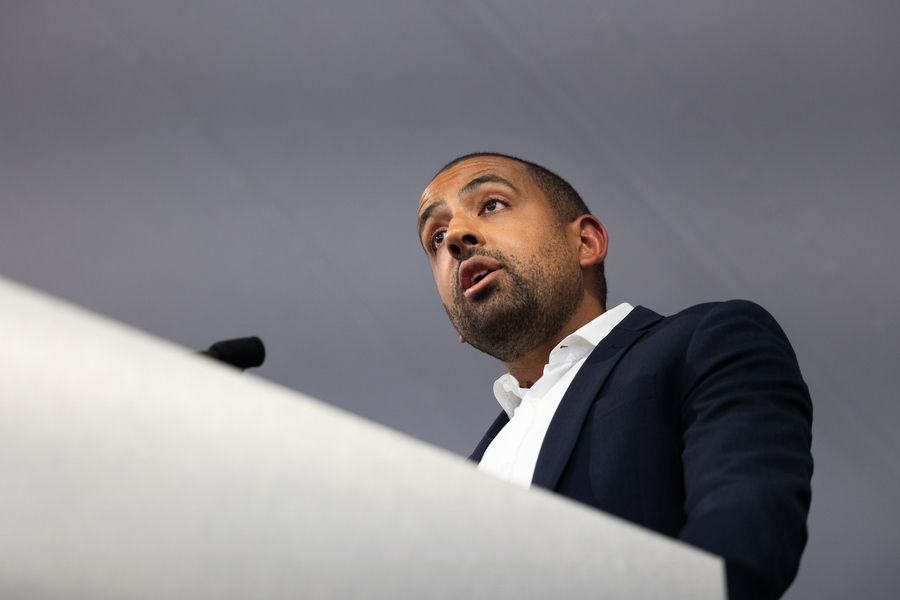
(130,468)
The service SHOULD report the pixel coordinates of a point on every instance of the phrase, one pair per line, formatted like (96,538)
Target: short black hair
(565,202)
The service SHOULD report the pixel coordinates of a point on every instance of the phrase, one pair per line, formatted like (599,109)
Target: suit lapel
(496,426)
(573,409)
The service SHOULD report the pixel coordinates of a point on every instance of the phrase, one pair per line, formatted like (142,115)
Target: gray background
(220,169)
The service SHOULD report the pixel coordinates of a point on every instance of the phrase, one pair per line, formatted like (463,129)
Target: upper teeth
(477,277)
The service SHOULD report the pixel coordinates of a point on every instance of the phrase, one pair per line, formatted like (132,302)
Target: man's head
(514,252)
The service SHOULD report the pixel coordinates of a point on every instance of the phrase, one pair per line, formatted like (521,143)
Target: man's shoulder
(715,312)
(704,325)
(724,307)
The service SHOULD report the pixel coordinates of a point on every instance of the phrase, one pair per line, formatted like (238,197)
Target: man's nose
(461,236)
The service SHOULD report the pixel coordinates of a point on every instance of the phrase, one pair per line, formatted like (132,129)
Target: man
(695,425)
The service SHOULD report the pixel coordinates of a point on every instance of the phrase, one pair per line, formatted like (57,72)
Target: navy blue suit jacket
(697,426)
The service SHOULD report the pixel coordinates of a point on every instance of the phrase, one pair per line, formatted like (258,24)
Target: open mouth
(476,273)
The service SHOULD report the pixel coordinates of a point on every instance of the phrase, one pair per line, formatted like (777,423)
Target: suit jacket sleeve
(746,427)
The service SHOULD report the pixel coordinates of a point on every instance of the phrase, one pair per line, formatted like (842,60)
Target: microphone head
(243,353)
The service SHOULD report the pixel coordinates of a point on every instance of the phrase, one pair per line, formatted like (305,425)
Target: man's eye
(492,205)
(438,239)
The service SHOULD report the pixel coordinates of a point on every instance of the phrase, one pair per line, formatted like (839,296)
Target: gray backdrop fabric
(220,169)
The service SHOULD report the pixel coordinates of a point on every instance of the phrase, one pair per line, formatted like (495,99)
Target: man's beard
(510,319)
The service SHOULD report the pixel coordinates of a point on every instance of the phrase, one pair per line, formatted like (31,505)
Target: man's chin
(476,320)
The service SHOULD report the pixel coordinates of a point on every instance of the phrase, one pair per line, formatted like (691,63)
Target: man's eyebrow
(427,213)
(489,178)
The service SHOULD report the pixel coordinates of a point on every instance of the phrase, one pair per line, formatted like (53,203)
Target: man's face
(507,271)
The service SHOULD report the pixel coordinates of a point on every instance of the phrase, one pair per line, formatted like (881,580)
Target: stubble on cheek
(529,303)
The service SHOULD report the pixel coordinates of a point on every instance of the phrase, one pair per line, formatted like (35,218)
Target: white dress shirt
(513,454)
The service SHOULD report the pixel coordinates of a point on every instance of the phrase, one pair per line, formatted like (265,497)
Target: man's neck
(530,367)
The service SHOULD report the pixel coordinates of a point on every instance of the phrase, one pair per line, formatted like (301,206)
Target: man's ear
(592,240)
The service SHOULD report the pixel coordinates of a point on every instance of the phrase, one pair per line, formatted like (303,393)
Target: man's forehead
(449,183)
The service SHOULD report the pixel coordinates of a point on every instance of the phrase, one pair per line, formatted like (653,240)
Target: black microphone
(243,353)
